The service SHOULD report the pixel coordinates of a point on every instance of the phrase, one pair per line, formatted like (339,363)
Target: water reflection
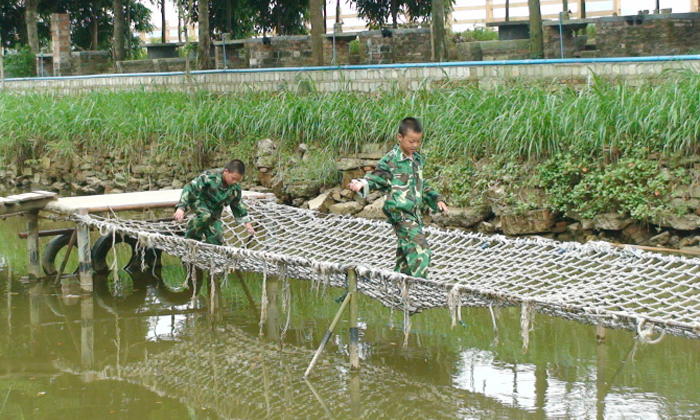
(161,351)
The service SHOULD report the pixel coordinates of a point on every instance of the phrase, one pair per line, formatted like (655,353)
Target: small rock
(611,221)
(351,207)
(685,222)
(536,221)
(463,217)
(321,203)
(374,210)
(347,193)
(661,239)
(485,227)
(347,163)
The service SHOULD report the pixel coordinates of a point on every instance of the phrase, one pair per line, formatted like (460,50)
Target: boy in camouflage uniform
(206,196)
(400,175)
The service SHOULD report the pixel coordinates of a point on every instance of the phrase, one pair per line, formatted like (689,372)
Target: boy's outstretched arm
(379,179)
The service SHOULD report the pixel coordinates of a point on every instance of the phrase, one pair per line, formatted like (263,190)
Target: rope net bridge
(595,283)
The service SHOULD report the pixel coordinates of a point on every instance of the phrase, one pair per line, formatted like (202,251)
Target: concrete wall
(370,78)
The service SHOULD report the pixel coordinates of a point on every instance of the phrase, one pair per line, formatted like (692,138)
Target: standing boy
(206,196)
(399,174)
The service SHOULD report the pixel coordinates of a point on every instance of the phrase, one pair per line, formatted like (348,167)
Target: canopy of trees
(91,21)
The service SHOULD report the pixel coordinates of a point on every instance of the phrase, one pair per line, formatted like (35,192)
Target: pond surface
(140,348)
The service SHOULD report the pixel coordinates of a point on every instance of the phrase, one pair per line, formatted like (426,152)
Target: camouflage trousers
(412,252)
(206,228)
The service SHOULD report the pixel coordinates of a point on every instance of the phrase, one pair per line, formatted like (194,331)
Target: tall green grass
(527,121)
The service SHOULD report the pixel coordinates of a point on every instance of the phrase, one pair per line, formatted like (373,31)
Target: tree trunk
(316,12)
(394,13)
(439,30)
(119,25)
(203,55)
(95,33)
(507,10)
(536,36)
(31,19)
(128,34)
(583,9)
(229,11)
(162,22)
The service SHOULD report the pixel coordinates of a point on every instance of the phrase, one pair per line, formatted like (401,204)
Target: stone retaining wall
(648,35)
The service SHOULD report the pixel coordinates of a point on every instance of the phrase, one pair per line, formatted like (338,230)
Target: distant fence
(368,78)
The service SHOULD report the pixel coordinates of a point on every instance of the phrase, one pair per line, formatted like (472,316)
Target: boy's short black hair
(236,166)
(410,123)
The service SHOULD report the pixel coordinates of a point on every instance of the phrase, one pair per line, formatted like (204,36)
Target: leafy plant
(20,63)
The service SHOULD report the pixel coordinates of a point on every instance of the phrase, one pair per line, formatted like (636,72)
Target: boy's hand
(249,228)
(355,185)
(442,206)
(179,215)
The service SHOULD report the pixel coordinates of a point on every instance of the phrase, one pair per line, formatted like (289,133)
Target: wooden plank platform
(20,203)
(123,202)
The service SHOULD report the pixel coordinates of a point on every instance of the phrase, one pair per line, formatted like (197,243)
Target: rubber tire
(48,259)
(104,244)
(175,298)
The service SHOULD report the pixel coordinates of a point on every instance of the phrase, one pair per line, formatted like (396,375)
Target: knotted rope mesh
(594,282)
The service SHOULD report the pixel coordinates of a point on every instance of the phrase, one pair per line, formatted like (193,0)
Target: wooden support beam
(600,333)
(47,232)
(84,257)
(62,268)
(354,332)
(33,244)
(87,332)
(328,335)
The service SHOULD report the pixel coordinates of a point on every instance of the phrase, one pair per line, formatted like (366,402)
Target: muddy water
(141,348)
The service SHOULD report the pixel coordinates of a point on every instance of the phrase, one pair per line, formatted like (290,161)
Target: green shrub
(20,63)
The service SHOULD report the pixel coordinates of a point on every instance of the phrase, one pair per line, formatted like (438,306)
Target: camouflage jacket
(401,179)
(207,192)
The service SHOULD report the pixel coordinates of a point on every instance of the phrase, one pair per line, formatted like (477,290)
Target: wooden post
(87,332)
(600,333)
(695,5)
(489,11)
(62,268)
(328,335)
(601,379)
(355,397)
(33,243)
(273,312)
(354,333)
(84,249)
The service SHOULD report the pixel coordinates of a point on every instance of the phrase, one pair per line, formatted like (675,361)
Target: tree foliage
(91,22)
(379,13)
(246,17)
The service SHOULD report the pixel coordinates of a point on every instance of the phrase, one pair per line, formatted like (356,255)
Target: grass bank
(516,134)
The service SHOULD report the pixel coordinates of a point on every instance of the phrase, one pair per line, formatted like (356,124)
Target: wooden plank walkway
(123,202)
(20,203)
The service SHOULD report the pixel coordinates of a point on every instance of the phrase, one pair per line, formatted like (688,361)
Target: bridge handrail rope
(595,282)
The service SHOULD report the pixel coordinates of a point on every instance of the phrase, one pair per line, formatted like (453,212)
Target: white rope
(593,282)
